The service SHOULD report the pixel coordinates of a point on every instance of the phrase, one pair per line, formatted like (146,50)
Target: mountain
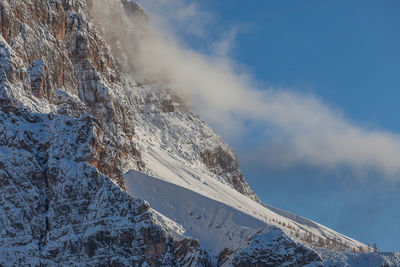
(99,167)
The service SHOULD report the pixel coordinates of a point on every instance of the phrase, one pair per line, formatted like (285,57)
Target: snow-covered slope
(218,226)
(233,228)
(74,125)
(236,235)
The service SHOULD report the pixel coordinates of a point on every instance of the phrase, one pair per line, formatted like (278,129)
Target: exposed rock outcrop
(73,121)
(158,103)
(65,140)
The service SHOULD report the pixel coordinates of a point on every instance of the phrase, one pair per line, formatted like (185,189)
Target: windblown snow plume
(307,130)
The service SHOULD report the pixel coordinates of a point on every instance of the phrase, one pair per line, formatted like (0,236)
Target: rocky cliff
(65,139)
(157,103)
(74,119)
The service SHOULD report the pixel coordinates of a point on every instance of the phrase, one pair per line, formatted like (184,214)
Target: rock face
(55,56)
(73,121)
(159,106)
(65,139)
(262,253)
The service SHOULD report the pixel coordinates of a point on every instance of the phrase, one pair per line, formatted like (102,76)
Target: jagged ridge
(73,121)
(65,138)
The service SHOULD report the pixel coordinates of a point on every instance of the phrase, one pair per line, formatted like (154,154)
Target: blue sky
(324,143)
(348,54)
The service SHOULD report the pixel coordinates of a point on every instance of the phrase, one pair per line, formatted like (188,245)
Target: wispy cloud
(300,127)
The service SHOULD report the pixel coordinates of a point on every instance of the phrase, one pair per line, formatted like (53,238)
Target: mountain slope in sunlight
(78,131)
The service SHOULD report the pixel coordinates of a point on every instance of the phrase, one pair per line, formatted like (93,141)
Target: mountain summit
(101,165)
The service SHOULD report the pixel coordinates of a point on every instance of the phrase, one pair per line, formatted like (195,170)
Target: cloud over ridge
(307,130)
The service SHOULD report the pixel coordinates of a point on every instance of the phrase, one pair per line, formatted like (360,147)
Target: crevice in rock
(44,208)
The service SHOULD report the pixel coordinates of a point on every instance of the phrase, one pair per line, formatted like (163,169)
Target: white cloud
(306,130)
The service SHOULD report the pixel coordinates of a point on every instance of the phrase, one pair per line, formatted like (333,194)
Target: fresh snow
(179,186)
(223,221)
(215,224)
(170,169)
